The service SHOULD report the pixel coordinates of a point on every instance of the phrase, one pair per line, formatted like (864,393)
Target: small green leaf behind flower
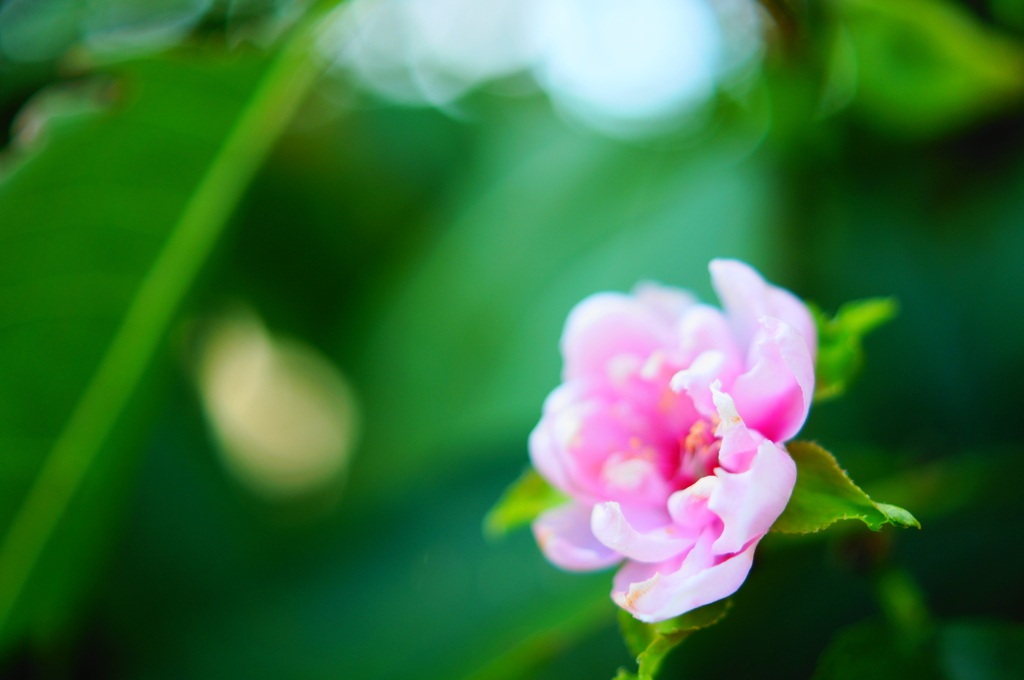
(840,350)
(824,494)
(523,500)
(651,642)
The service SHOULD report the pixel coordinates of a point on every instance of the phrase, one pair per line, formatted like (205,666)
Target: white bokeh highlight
(623,67)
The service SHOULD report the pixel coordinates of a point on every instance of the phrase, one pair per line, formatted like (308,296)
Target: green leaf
(840,350)
(524,499)
(868,650)
(545,641)
(925,67)
(981,649)
(978,649)
(435,601)
(824,494)
(104,231)
(652,642)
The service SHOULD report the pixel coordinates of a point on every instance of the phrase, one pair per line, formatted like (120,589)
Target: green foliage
(925,67)
(840,342)
(413,592)
(981,649)
(867,651)
(525,498)
(652,642)
(956,650)
(105,229)
(824,494)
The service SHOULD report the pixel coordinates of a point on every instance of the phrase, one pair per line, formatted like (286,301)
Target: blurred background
(281,286)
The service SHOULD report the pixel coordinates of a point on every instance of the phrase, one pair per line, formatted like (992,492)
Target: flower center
(698,453)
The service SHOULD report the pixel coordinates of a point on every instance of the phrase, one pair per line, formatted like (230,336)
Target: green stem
(160,294)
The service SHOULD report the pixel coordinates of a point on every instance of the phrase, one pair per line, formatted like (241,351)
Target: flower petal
(670,302)
(749,502)
(704,328)
(657,541)
(597,444)
(689,507)
(747,297)
(774,395)
(655,592)
(738,442)
(695,381)
(565,538)
(553,436)
(609,325)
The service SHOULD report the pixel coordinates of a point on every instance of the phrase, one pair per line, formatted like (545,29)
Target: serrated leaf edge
(861,517)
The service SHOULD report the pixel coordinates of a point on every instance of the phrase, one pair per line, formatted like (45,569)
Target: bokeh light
(623,67)
(285,418)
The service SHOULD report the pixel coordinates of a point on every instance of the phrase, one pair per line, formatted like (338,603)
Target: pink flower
(666,434)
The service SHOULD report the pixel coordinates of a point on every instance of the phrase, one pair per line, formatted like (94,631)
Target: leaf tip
(897,516)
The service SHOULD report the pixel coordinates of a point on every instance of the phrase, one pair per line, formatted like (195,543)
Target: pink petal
(674,410)
(565,538)
(704,328)
(670,303)
(649,537)
(609,325)
(655,592)
(695,381)
(596,443)
(630,478)
(747,297)
(553,436)
(748,503)
(738,442)
(775,394)
(689,507)
(787,307)
(635,580)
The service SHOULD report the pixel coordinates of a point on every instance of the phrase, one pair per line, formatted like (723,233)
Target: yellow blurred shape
(283,414)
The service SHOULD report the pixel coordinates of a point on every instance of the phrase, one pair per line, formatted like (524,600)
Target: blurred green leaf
(903,603)
(362,596)
(956,650)
(955,483)
(981,650)
(525,657)
(524,499)
(925,67)
(652,642)
(867,650)
(104,232)
(840,338)
(1008,12)
(824,494)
